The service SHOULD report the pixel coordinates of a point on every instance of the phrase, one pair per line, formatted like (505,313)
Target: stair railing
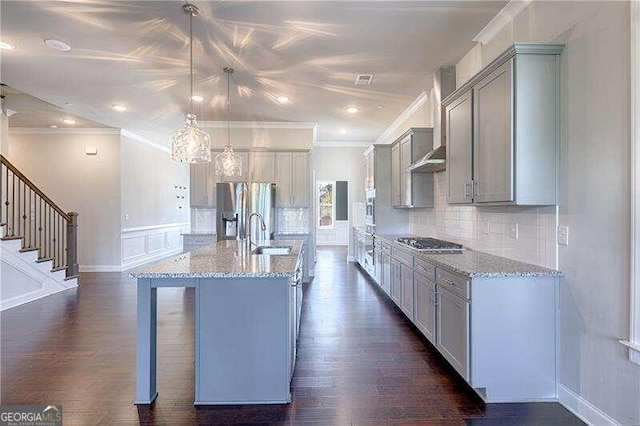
(28,214)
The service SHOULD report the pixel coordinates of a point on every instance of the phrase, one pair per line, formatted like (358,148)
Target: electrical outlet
(513,230)
(486,227)
(126,217)
(563,235)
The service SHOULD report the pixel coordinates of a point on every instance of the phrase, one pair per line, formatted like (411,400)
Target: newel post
(72,245)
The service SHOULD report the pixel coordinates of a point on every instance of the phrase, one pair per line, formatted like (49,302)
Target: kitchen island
(248,303)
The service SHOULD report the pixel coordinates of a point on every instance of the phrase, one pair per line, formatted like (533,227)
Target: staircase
(38,247)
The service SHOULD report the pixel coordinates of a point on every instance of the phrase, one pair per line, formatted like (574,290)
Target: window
(326,204)
(634,339)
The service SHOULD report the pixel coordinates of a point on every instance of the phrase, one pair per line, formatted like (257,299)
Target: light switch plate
(126,217)
(563,235)
(513,230)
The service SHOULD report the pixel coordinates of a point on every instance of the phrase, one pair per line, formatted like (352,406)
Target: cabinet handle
(466,190)
(447,281)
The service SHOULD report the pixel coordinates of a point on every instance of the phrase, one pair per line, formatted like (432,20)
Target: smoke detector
(364,79)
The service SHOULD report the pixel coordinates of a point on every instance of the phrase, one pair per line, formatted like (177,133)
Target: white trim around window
(634,336)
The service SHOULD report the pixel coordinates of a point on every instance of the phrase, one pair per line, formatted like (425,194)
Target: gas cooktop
(431,245)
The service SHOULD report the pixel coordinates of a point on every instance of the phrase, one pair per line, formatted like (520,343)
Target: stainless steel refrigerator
(236,203)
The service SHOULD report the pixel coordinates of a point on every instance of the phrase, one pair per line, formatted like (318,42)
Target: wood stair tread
(28,249)
(8,238)
(72,277)
(59,268)
(44,259)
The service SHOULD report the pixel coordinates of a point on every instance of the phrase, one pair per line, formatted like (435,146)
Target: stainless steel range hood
(433,161)
(444,83)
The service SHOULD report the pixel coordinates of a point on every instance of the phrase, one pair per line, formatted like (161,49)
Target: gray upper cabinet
(459,121)
(203,182)
(493,141)
(412,189)
(502,129)
(292,179)
(262,166)
(395,176)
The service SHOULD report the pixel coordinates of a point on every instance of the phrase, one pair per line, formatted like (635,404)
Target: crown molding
(61,131)
(417,103)
(141,139)
(259,125)
(342,144)
(501,20)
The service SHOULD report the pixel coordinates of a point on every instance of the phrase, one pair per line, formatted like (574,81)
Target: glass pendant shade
(190,144)
(229,163)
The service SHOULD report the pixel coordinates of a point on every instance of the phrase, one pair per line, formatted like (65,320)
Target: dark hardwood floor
(359,361)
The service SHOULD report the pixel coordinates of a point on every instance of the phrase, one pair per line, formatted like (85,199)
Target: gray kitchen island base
(246,325)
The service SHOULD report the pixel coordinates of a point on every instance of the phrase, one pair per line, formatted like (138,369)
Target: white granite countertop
(227,259)
(472,263)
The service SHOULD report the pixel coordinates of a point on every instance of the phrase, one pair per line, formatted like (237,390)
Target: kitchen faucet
(263,225)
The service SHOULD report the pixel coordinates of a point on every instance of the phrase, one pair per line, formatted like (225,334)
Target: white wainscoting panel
(149,243)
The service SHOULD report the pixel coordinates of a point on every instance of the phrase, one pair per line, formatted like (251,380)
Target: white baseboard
(99,268)
(583,409)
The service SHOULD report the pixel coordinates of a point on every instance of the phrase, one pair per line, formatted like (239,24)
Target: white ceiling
(136,54)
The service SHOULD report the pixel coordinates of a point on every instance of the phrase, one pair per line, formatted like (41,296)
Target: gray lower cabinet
(452,337)
(396,282)
(406,297)
(498,333)
(425,306)
(386,272)
(195,241)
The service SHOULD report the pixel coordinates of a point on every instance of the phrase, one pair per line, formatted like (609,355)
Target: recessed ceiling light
(119,108)
(342,131)
(352,110)
(283,99)
(6,46)
(69,104)
(380,106)
(58,45)
(69,121)
(197,98)
(53,126)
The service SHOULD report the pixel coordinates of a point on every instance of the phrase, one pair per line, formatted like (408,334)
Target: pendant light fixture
(190,144)
(228,163)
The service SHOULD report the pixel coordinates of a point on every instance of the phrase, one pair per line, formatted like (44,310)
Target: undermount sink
(273,251)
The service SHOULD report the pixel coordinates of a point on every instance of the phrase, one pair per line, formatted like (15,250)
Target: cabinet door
(377,274)
(262,166)
(300,186)
(386,273)
(425,306)
(292,329)
(198,185)
(395,176)
(407,291)
(459,124)
(396,282)
(453,330)
(406,190)
(284,178)
(493,138)
(211,184)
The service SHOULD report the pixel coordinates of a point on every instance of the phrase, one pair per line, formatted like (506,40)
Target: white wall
(4,134)
(346,164)
(155,203)
(149,178)
(594,184)
(89,185)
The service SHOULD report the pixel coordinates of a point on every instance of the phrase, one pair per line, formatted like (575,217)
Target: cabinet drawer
(454,283)
(425,268)
(402,256)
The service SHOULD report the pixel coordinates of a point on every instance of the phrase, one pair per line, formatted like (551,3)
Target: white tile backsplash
(466,225)
(203,220)
(294,220)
